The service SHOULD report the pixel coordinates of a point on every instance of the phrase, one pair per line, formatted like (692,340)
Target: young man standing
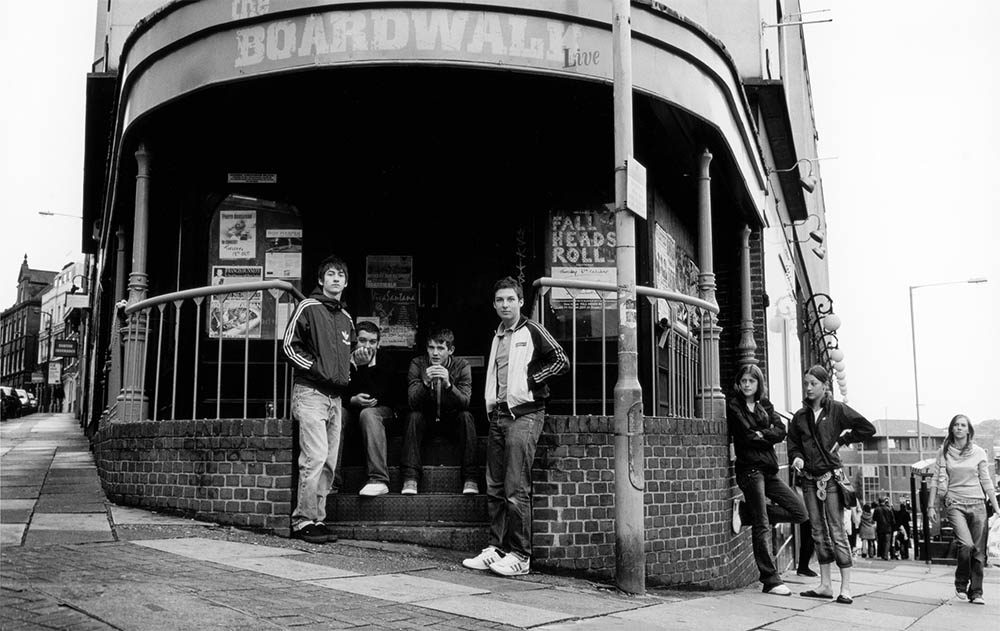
(523,357)
(371,391)
(439,390)
(318,343)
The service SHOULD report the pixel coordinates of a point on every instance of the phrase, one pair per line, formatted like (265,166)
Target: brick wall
(688,500)
(232,471)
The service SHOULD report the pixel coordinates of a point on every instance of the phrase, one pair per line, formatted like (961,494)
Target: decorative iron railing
(239,322)
(677,344)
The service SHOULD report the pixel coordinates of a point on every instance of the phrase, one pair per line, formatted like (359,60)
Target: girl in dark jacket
(755,429)
(815,435)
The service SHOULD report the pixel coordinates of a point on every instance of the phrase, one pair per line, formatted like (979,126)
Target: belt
(503,407)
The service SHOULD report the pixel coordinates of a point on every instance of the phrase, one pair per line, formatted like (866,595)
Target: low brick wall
(233,471)
(688,500)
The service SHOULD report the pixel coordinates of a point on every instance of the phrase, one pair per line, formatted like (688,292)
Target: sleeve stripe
(290,351)
(561,360)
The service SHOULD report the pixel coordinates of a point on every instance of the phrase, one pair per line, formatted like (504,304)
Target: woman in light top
(963,477)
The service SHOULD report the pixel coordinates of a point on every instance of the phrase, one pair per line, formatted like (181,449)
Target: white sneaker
(737,522)
(978,600)
(484,559)
(470,488)
(374,489)
(961,595)
(778,590)
(409,487)
(511,565)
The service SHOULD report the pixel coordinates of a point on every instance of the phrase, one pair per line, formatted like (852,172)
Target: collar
(370,364)
(502,330)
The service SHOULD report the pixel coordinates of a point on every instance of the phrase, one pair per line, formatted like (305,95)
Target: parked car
(27,401)
(10,403)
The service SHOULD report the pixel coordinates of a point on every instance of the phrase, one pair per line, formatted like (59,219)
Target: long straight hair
(950,439)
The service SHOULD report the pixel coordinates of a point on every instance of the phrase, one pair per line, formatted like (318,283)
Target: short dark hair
(442,335)
(369,327)
(509,282)
(329,262)
(757,374)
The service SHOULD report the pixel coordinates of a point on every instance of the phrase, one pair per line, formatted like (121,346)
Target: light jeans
(510,452)
(319,417)
(969,523)
(827,520)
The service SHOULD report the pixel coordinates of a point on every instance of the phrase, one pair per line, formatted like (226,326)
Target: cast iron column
(711,402)
(133,397)
(747,345)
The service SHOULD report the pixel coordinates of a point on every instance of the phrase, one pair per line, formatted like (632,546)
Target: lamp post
(48,360)
(50,214)
(913,344)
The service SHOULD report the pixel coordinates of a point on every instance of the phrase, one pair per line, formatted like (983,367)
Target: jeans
(510,452)
(757,487)
(373,422)
(884,539)
(319,419)
(827,520)
(969,523)
(460,426)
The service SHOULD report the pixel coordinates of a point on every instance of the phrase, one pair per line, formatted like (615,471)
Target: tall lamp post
(913,343)
(48,360)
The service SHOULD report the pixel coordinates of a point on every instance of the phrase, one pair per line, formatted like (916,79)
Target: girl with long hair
(815,435)
(963,479)
(755,429)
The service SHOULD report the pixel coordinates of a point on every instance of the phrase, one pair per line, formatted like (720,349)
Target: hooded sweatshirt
(318,342)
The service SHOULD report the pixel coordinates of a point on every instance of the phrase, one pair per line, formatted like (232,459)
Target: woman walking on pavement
(756,428)
(963,477)
(815,435)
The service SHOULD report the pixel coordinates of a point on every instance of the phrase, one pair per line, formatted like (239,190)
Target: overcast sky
(905,94)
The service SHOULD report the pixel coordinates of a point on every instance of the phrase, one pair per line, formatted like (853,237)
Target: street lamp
(48,358)
(50,214)
(913,342)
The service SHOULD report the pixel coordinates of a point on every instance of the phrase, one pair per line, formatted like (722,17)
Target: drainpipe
(630,536)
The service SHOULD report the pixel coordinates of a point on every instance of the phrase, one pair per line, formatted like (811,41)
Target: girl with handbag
(815,435)
(963,477)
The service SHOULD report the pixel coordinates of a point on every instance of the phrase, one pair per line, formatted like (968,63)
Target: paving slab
(572,603)
(15,516)
(606,623)
(794,603)
(122,515)
(893,606)
(71,521)
(11,534)
(19,492)
(211,549)
(957,614)
(920,589)
(285,567)
(703,614)
(483,580)
(850,617)
(38,537)
(69,504)
(17,505)
(493,610)
(399,588)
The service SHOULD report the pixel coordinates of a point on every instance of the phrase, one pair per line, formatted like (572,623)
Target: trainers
(470,488)
(325,531)
(978,600)
(737,522)
(310,533)
(484,559)
(374,489)
(961,595)
(511,565)
(409,487)
(778,590)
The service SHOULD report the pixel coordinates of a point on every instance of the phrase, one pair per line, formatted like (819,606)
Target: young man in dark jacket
(318,343)
(523,357)
(371,403)
(439,389)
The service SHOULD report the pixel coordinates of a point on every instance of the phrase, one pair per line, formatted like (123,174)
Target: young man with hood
(318,342)
(523,357)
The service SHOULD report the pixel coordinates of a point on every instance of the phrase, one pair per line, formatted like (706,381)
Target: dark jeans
(969,523)
(807,547)
(373,423)
(758,487)
(884,541)
(460,426)
(510,452)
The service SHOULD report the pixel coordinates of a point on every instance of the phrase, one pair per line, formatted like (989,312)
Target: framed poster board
(580,245)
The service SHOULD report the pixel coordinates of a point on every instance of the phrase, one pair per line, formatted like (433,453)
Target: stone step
(453,536)
(436,450)
(434,479)
(426,509)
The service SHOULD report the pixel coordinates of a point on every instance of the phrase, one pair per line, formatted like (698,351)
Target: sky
(905,95)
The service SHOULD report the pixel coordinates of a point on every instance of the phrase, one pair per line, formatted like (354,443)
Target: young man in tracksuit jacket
(522,359)
(318,342)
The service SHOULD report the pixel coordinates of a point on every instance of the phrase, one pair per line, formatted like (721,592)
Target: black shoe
(324,530)
(310,533)
(806,572)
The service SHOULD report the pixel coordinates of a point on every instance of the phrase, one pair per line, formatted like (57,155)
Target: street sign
(635,199)
(252,178)
(55,373)
(64,348)
(37,377)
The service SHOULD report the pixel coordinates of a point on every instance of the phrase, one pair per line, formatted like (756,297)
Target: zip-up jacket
(753,452)
(318,343)
(812,439)
(454,399)
(534,357)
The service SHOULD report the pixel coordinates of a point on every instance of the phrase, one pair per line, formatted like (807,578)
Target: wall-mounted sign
(252,178)
(388,272)
(55,373)
(635,199)
(581,246)
(64,348)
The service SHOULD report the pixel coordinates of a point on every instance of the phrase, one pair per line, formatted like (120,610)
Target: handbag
(847,492)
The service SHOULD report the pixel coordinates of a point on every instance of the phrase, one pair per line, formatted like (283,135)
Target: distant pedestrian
(817,432)
(868,533)
(901,519)
(883,528)
(963,479)
(855,534)
(755,428)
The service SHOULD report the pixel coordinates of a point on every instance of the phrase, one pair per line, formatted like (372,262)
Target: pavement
(69,559)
